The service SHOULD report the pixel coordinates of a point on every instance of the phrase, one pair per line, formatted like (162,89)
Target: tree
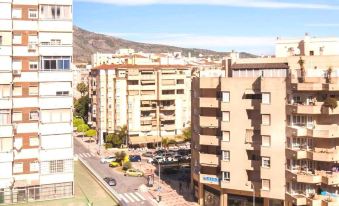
(116,140)
(330,102)
(77,121)
(91,133)
(165,142)
(301,62)
(122,133)
(82,88)
(82,128)
(81,107)
(187,133)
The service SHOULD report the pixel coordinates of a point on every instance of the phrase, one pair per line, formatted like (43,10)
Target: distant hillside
(86,43)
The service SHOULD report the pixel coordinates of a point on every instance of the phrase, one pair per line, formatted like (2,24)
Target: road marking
(123,198)
(135,197)
(139,195)
(80,155)
(88,154)
(128,197)
(93,155)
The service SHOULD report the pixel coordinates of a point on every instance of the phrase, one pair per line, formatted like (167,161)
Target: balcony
(5,103)
(329,177)
(168,127)
(296,199)
(147,77)
(209,179)
(329,111)
(55,102)
(169,107)
(317,131)
(322,200)
(210,122)
(6,78)
(303,109)
(6,156)
(331,87)
(147,108)
(298,154)
(305,176)
(148,97)
(307,86)
(6,131)
(167,117)
(145,128)
(325,156)
(209,102)
(133,87)
(146,118)
(209,140)
(210,160)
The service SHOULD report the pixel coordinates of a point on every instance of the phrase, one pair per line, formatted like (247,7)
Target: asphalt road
(126,186)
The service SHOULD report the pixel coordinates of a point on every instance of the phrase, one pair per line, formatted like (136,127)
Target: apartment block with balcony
(152,100)
(36,149)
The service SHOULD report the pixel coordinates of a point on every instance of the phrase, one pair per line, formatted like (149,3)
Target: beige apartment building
(267,129)
(153,101)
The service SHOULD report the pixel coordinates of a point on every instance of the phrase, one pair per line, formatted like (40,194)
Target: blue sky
(222,25)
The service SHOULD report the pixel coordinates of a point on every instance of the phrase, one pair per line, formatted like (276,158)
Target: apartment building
(80,75)
(153,101)
(36,149)
(266,129)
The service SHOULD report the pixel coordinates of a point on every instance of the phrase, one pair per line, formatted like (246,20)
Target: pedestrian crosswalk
(86,155)
(131,197)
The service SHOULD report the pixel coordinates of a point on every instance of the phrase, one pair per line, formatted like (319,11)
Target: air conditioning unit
(16,72)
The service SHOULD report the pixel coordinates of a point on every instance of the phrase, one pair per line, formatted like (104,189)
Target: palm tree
(165,142)
(301,62)
(122,133)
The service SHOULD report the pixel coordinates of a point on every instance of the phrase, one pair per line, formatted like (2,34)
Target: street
(127,187)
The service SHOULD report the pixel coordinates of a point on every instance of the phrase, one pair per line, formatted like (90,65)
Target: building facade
(153,101)
(36,146)
(267,129)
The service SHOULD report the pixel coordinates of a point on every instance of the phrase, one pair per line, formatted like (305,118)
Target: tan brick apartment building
(264,128)
(152,100)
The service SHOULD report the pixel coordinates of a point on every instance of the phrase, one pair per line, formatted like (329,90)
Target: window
(225,116)
(18,142)
(266,98)
(266,119)
(265,184)
(17,65)
(56,166)
(0,40)
(55,12)
(266,162)
(5,91)
(33,90)
(226,155)
(5,117)
(55,63)
(17,91)
(226,136)
(17,39)
(32,14)
(180,91)
(33,141)
(266,141)
(34,166)
(55,42)
(18,167)
(17,116)
(62,93)
(34,115)
(226,176)
(226,97)
(33,65)
(180,81)
(17,13)
(6,144)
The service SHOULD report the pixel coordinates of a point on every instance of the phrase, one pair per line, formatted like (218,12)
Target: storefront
(211,196)
(237,200)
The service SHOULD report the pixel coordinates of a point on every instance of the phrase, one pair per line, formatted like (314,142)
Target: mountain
(85,43)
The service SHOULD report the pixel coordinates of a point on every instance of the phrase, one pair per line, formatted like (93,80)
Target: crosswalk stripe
(135,197)
(139,195)
(127,196)
(84,155)
(88,154)
(123,198)
(80,155)
(93,155)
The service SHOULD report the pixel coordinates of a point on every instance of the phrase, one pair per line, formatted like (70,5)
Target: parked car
(135,158)
(134,173)
(114,164)
(107,159)
(157,160)
(110,181)
(148,154)
(177,158)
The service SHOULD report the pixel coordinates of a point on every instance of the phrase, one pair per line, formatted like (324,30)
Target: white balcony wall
(6,170)
(66,38)
(24,2)
(56,154)
(55,116)
(56,178)
(6,10)
(60,2)
(6,77)
(57,76)
(57,128)
(6,62)
(6,51)
(55,50)
(5,25)
(5,103)
(25,25)
(24,102)
(27,128)
(6,131)
(6,157)
(27,77)
(56,141)
(55,102)
(23,51)
(55,26)
(26,154)
(50,88)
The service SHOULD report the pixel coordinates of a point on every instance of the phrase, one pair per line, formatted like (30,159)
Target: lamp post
(253,192)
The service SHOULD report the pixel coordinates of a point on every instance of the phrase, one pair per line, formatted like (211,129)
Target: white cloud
(235,3)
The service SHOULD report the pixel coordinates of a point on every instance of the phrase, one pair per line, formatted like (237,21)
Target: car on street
(148,154)
(107,159)
(110,181)
(114,164)
(135,158)
(134,173)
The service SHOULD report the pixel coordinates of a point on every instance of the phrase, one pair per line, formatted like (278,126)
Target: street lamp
(253,192)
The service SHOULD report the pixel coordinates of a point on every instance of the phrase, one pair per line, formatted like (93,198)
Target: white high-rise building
(36,147)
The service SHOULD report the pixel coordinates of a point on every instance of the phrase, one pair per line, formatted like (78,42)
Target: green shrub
(77,121)
(331,103)
(108,145)
(91,133)
(82,128)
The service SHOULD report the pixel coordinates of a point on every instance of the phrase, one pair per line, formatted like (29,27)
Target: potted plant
(301,62)
(329,75)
